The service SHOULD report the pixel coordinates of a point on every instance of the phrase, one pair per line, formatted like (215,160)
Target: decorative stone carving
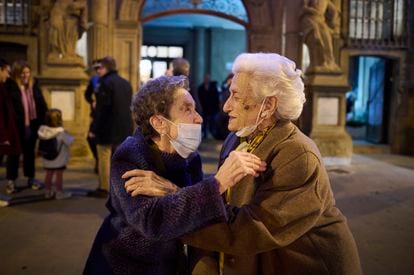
(320,23)
(129,9)
(37,15)
(67,22)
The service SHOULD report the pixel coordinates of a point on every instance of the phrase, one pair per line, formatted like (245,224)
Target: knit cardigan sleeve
(169,217)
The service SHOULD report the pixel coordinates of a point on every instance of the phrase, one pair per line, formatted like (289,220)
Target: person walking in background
(225,90)
(30,108)
(221,119)
(209,100)
(54,147)
(9,136)
(181,66)
(90,96)
(113,121)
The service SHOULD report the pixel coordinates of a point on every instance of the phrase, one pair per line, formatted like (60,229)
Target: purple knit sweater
(139,236)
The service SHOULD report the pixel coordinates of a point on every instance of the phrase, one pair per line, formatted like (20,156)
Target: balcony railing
(377,23)
(15,13)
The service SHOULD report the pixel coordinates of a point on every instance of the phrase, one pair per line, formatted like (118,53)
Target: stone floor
(376,193)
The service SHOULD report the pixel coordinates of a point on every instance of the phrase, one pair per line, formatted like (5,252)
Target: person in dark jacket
(209,100)
(139,236)
(9,136)
(112,121)
(30,108)
(181,66)
(90,96)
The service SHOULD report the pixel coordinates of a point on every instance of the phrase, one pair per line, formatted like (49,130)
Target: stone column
(292,41)
(126,50)
(324,118)
(403,143)
(63,81)
(98,33)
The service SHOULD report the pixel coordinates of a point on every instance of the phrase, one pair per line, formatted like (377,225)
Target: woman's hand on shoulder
(236,166)
(147,183)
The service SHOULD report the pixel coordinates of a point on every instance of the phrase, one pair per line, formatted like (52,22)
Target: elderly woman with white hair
(285,221)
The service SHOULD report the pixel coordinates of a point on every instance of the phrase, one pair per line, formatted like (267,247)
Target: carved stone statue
(67,22)
(320,24)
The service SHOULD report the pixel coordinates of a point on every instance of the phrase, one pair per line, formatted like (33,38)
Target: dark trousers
(92,146)
(28,147)
(208,125)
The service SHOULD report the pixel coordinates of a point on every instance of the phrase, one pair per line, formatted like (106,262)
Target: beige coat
(284,222)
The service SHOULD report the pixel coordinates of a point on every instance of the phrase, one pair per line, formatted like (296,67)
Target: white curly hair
(274,75)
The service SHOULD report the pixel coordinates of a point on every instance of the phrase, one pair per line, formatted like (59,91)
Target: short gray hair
(155,98)
(274,75)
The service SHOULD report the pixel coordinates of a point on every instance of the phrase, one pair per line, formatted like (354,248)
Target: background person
(221,120)
(9,135)
(90,96)
(30,108)
(112,122)
(53,129)
(181,66)
(209,100)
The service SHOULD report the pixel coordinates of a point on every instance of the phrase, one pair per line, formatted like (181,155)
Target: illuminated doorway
(368,105)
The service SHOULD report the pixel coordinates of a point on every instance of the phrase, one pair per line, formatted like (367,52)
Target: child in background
(53,129)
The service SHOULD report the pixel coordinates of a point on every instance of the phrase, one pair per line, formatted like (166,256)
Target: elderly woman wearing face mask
(285,221)
(139,236)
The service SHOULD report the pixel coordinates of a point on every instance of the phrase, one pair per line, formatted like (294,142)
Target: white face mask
(188,138)
(248,130)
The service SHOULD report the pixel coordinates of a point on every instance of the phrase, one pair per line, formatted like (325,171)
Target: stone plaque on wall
(328,111)
(64,101)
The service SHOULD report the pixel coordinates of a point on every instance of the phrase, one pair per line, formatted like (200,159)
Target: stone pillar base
(324,117)
(335,148)
(63,87)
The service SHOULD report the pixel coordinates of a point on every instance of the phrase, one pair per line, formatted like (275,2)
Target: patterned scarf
(245,146)
(29,105)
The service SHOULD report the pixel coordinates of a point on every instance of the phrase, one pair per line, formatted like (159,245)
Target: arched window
(232,8)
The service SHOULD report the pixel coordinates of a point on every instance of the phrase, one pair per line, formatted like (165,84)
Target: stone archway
(264,31)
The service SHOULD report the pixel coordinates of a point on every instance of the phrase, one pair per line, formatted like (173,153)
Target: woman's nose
(197,118)
(226,106)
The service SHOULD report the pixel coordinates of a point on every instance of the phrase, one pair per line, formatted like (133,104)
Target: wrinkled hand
(236,167)
(147,183)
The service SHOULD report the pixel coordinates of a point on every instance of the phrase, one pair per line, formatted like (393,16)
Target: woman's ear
(159,124)
(270,107)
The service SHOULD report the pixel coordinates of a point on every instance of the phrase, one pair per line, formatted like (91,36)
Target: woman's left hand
(147,183)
